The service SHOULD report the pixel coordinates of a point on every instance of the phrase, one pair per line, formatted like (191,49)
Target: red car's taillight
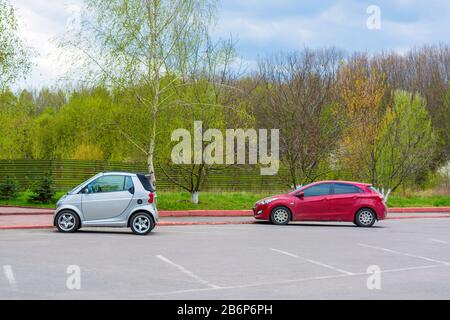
(151,197)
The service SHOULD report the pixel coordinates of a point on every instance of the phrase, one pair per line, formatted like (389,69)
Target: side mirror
(300,195)
(84,190)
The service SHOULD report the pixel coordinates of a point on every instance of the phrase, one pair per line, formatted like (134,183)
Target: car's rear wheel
(67,221)
(280,216)
(365,218)
(142,224)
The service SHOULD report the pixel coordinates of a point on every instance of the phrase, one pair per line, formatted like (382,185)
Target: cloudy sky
(263,27)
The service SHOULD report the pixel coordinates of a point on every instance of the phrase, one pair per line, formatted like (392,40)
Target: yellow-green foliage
(405,142)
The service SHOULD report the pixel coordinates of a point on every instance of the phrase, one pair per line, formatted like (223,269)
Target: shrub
(8,189)
(44,192)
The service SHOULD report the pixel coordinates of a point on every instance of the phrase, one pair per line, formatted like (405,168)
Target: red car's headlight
(267,201)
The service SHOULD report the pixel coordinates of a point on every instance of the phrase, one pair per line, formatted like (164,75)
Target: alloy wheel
(141,224)
(281,216)
(366,217)
(67,222)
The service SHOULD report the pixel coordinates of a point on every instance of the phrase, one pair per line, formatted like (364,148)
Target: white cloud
(41,22)
(259,30)
(262,27)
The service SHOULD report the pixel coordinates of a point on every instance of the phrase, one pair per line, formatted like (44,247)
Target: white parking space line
(292,281)
(440,241)
(187,272)
(329,267)
(313,262)
(285,253)
(9,274)
(406,254)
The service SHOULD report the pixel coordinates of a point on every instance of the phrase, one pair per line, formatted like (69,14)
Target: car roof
(117,173)
(345,182)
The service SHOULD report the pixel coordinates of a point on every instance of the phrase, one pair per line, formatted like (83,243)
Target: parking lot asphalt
(397,259)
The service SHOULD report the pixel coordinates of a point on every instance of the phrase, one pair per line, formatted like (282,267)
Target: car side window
(107,184)
(342,188)
(318,190)
(128,183)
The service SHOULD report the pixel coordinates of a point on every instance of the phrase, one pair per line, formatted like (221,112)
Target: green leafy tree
(44,142)
(14,55)
(405,144)
(77,128)
(50,99)
(15,138)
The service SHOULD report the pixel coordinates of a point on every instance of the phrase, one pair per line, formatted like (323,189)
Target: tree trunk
(151,150)
(386,195)
(151,169)
(150,160)
(194,197)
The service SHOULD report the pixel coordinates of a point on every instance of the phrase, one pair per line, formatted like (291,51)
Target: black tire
(280,216)
(141,223)
(67,221)
(365,218)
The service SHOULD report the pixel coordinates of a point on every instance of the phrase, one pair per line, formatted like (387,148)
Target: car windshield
(299,188)
(78,186)
(73,190)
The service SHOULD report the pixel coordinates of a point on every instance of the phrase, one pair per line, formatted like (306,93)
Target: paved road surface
(300,261)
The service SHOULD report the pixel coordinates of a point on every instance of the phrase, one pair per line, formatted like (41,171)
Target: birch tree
(139,44)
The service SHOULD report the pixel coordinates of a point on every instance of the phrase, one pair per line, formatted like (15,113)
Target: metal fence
(68,173)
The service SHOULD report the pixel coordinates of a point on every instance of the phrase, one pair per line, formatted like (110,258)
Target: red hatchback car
(341,201)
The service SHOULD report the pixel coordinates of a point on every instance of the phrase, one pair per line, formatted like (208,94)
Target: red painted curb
(175,223)
(22,207)
(207,213)
(26,214)
(25,227)
(417,217)
(420,210)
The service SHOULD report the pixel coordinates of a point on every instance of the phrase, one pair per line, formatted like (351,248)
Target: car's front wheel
(67,221)
(280,216)
(141,224)
(365,218)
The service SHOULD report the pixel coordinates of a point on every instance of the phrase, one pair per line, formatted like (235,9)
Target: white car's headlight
(267,201)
